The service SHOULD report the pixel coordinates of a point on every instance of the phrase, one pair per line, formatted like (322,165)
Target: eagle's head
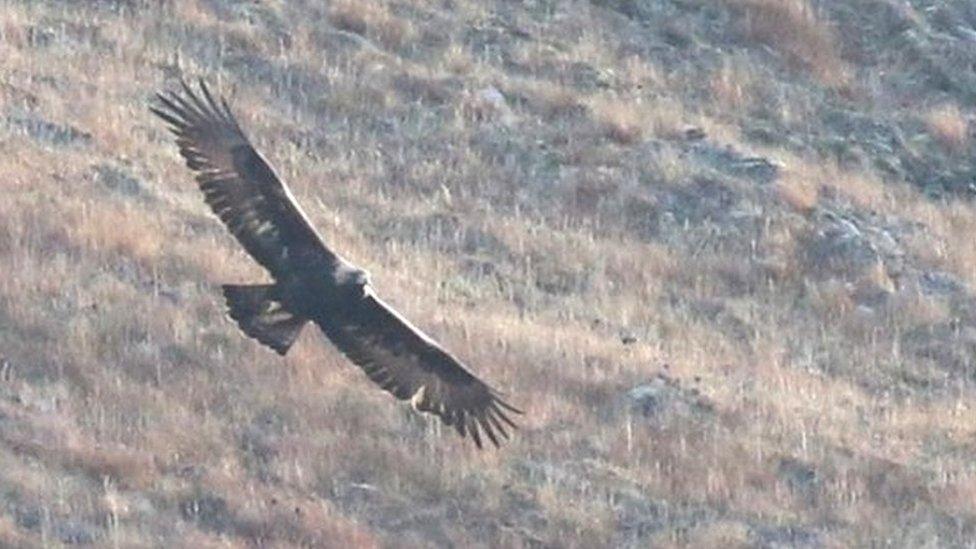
(360,277)
(347,275)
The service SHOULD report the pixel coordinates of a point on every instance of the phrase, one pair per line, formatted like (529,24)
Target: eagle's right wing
(237,183)
(409,364)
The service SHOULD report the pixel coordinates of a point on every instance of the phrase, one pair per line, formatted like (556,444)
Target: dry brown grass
(799,33)
(628,121)
(371,19)
(731,86)
(520,183)
(797,191)
(948,125)
(621,121)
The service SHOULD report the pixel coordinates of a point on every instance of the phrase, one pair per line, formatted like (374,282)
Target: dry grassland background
(723,252)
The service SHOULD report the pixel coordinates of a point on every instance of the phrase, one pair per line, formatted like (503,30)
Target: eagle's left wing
(239,185)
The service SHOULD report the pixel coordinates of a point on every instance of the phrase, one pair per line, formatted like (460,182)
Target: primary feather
(312,282)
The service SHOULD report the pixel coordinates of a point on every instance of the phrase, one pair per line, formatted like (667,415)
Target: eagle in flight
(313,282)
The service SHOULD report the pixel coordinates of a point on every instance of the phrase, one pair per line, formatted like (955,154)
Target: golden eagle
(313,282)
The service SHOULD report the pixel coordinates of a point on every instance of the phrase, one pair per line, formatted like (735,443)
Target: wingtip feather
(486,427)
(473,429)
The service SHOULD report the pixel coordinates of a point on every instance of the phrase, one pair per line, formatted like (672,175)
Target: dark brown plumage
(313,283)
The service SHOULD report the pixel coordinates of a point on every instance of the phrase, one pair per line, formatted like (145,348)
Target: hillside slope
(721,251)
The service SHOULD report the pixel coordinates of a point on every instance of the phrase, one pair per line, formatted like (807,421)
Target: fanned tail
(262,316)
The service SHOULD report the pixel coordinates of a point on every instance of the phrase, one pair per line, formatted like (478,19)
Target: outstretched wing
(240,187)
(410,365)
